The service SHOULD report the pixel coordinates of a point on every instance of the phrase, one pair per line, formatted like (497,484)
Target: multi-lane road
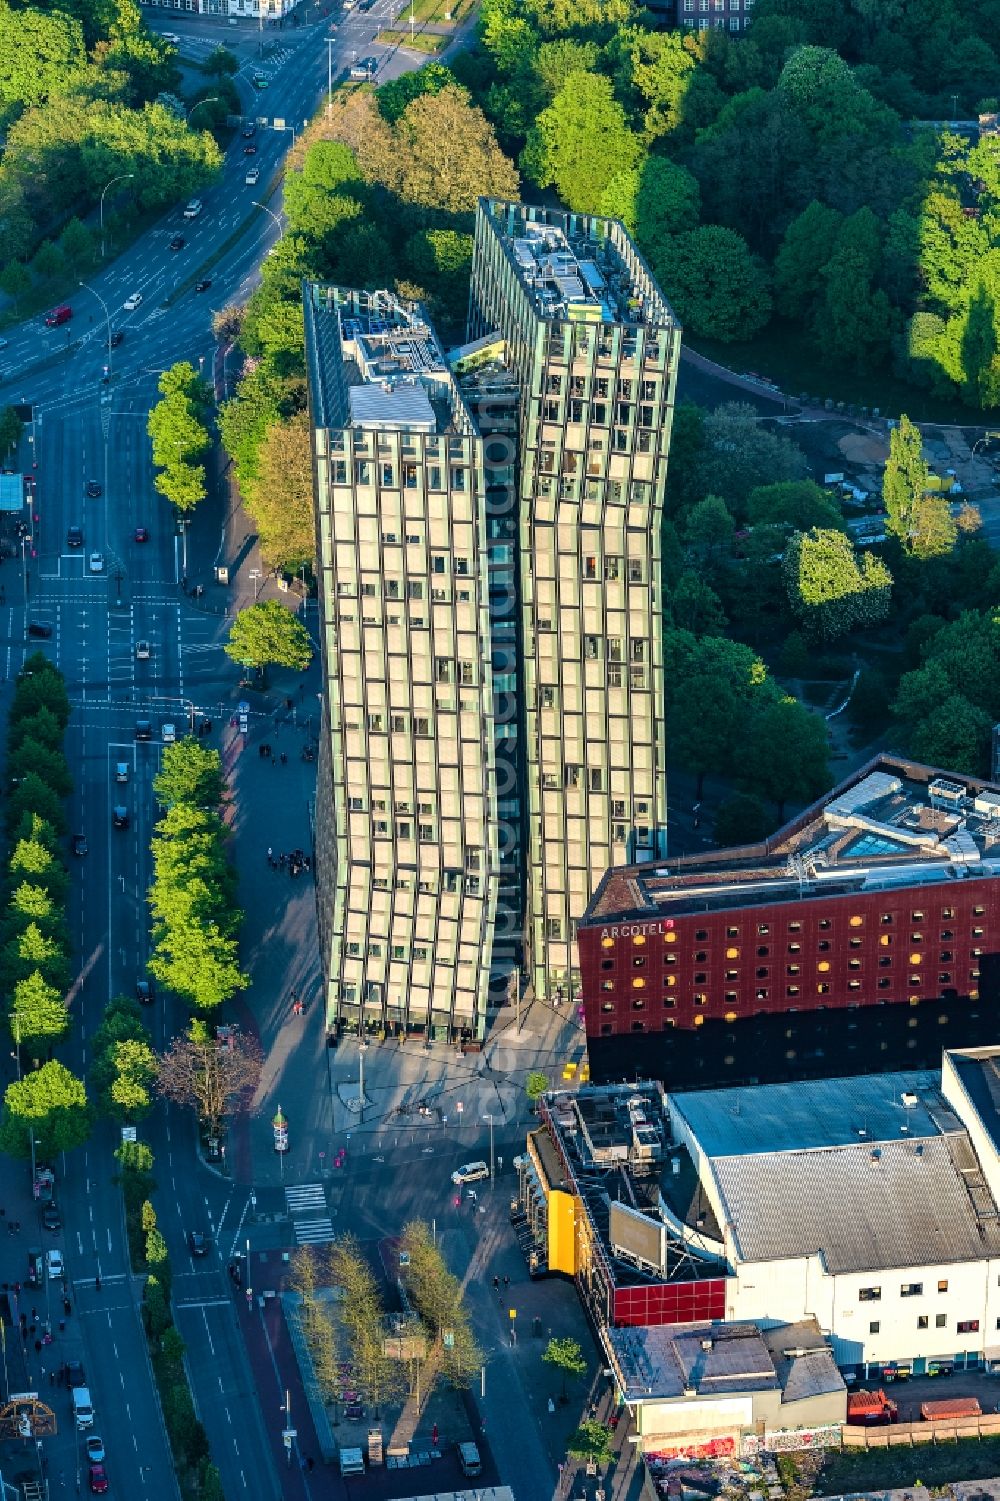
(86,434)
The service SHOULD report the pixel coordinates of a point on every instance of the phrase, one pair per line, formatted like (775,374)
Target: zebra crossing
(308,1212)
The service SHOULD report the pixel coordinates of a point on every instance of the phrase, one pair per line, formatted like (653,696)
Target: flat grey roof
(871,1172)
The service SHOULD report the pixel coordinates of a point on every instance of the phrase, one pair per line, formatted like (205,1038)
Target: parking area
(910,1392)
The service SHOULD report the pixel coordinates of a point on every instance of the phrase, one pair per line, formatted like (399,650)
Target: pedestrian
(97,1283)
(38,1347)
(34,1314)
(32,1328)
(52,1378)
(434,1435)
(282,858)
(496,1284)
(62,1326)
(270,854)
(506,1282)
(284,759)
(67,1307)
(310,1464)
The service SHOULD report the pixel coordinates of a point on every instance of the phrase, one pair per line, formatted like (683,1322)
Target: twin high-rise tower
(489,551)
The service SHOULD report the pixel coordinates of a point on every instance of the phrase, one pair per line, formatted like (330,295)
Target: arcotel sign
(638,929)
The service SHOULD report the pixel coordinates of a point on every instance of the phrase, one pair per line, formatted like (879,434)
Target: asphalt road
(98,611)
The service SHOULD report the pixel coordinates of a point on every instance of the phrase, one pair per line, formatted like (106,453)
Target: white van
(83,1410)
(468,1458)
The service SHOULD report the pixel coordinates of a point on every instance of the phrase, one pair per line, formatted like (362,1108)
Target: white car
(54,1263)
(192,209)
(97,562)
(131,303)
(470,1172)
(169,734)
(171,37)
(142,652)
(252,177)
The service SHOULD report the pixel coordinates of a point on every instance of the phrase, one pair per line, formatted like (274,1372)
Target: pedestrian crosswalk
(307,1210)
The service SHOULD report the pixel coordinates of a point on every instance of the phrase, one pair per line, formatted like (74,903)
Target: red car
(98,1479)
(141,534)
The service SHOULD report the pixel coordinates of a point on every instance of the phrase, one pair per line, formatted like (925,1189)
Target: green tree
(933,529)
(709,525)
(802,255)
(394,97)
(800,504)
(444,155)
(954,735)
(566,1356)
(189,773)
(77,245)
(33,796)
(904,479)
(11,428)
(437,1295)
(581,142)
(46,762)
(786,753)
(198,960)
(267,634)
(832,588)
(741,819)
(221,63)
(280,496)
(536,1085)
(717,287)
(48,1105)
(591,1442)
(737,455)
(38,1016)
(694,606)
(40,685)
(853,321)
(361,1313)
(183,485)
(15,280)
(653,199)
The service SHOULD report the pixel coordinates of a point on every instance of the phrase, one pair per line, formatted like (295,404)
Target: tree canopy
(267,634)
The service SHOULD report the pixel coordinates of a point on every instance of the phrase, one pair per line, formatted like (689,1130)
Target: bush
(795,660)
(869,705)
(155,1310)
(741,819)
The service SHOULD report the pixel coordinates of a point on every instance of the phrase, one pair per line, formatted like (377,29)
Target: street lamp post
(329,75)
(274,216)
(255,580)
(107,319)
(123,177)
(489,1118)
(213,99)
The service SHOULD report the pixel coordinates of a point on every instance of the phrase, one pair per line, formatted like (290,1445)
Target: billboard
(638,1236)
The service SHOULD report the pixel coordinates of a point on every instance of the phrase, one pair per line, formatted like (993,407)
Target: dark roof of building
(895,823)
(686,1361)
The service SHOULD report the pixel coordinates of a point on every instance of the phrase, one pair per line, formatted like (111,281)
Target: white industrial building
(868,1204)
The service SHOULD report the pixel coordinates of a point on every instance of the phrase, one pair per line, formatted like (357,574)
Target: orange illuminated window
(823,966)
(856,922)
(916,959)
(732,953)
(638,983)
(670,937)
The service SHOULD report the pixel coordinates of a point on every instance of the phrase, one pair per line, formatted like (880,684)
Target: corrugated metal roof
(812,1114)
(402,408)
(900,1204)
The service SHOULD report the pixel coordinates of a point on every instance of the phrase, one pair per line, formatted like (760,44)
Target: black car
(199,1244)
(118,337)
(178,242)
(51,1218)
(203,285)
(249,131)
(144,992)
(94,489)
(39,628)
(250,150)
(74,1373)
(144,729)
(119,817)
(74,537)
(80,844)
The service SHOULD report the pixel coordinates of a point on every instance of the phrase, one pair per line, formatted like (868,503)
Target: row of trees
(192,899)
(178,426)
(197,1475)
(79,106)
(48,1106)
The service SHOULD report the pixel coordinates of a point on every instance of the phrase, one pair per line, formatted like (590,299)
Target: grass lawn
(783,353)
(890,1469)
(439,12)
(423,41)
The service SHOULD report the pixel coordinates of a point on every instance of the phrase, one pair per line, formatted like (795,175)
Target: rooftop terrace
(895,823)
(578,267)
(381,365)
